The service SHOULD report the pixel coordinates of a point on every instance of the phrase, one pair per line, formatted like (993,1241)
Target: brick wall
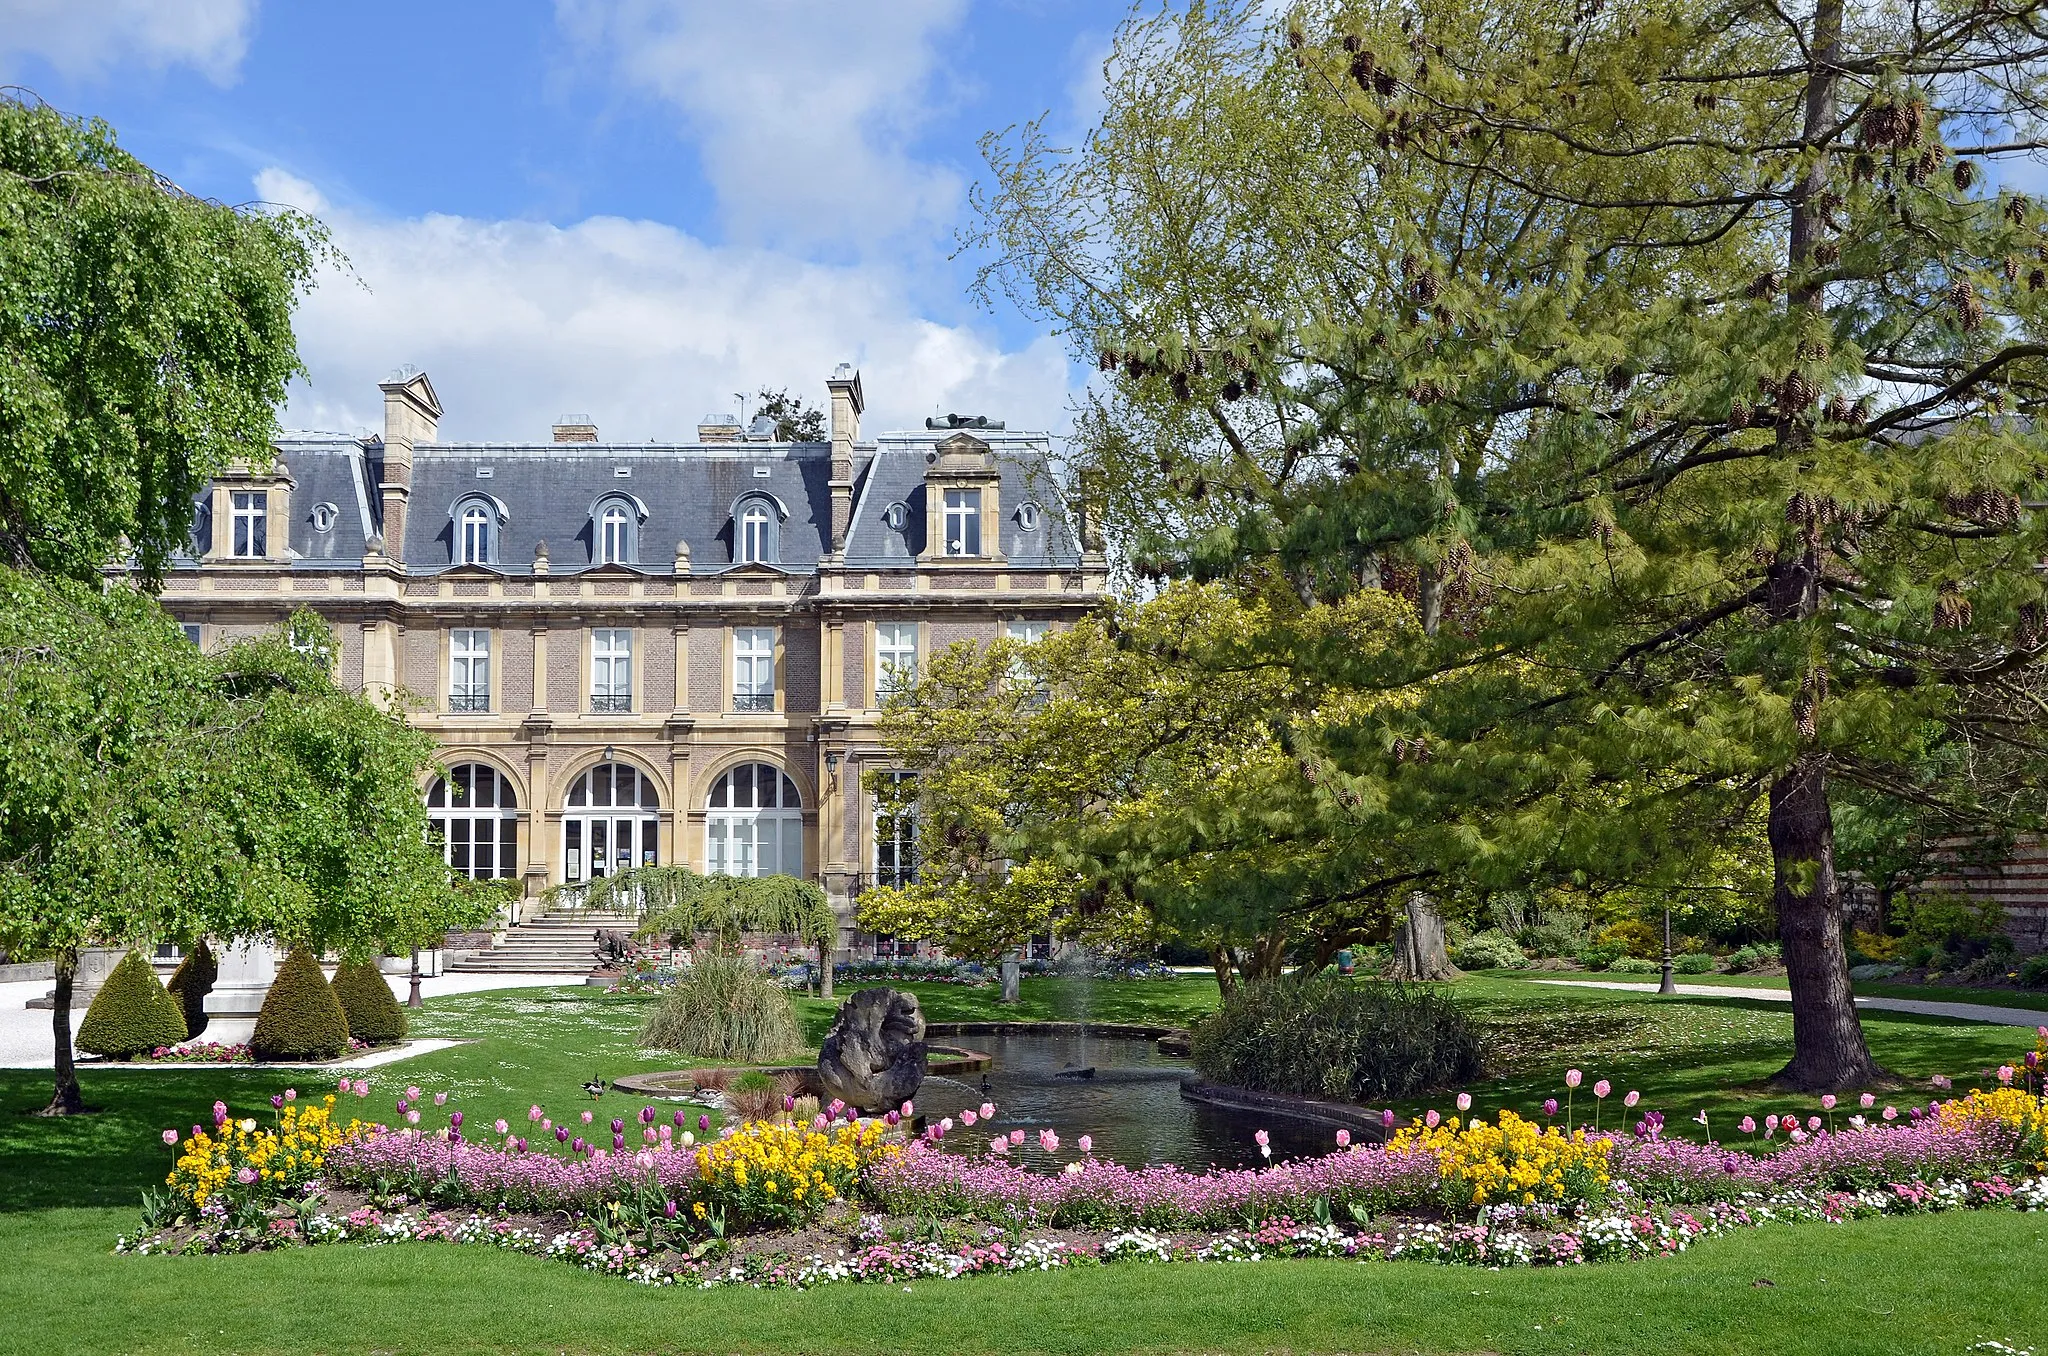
(566,678)
(801,679)
(514,662)
(419,667)
(657,686)
(707,668)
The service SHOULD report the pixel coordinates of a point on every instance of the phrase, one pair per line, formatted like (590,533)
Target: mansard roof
(545,492)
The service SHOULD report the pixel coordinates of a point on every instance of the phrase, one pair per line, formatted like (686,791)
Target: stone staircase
(552,944)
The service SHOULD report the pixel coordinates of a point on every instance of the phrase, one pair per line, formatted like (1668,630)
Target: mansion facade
(646,653)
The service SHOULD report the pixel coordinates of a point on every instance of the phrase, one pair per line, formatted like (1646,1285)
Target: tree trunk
(1419,952)
(65,1099)
(1226,977)
(824,969)
(1828,1049)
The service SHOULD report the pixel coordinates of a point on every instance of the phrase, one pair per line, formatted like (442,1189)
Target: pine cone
(2016,209)
(1964,174)
(1839,410)
(2012,268)
(1764,287)
(1969,310)
(1738,415)
(1951,609)
(1619,379)
(2032,626)
(1827,253)
(1231,390)
(1107,362)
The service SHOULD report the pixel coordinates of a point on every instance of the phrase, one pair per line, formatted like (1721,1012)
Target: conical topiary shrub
(301,1017)
(190,983)
(131,1015)
(373,1014)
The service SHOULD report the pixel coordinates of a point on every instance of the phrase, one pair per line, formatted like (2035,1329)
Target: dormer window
(615,529)
(896,515)
(962,524)
(1027,517)
(753,529)
(473,536)
(249,520)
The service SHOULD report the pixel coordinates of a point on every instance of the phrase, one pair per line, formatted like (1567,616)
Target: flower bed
(762,1203)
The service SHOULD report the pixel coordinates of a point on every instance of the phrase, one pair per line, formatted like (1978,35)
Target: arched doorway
(476,812)
(754,823)
(610,822)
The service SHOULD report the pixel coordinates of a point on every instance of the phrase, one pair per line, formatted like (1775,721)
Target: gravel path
(1925,1007)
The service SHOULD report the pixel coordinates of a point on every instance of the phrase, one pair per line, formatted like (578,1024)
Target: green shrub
(1693,963)
(1963,927)
(1599,957)
(301,1017)
(373,1015)
(725,1007)
(1353,1039)
(2034,971)
(131,1015)
(190,983)
(1557,932)
(1636,965)
(1490,950)
(1632,935)
(1754,955)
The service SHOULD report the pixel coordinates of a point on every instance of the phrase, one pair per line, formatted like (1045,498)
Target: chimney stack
(412,415)
(718,428)
(847,403)
(576,431)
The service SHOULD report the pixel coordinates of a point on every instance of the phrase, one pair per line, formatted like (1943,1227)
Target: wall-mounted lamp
(832,762)
(607,753)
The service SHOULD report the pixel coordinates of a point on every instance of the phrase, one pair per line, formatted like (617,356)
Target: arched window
(614,539)
(754,823)
(474,544)
(610,822)
(755,540)
(475,812)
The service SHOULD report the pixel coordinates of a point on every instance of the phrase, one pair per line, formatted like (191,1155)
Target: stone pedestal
(246,970)
(95,963)
(1013,972)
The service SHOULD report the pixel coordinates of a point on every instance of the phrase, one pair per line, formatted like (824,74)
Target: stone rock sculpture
(874,1055)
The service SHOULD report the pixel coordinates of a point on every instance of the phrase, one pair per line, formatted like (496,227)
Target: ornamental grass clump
(301,1017)
(725,1007)
(131,1014)
(367,1004)
(1355,1039)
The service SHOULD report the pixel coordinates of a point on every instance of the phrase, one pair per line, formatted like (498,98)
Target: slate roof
(691,491)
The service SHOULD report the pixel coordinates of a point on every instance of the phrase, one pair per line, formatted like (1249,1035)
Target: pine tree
(1678,362)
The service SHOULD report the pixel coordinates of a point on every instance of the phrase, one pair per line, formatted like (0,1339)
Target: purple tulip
(1387,1118)
(618,1126)
(679,1120)
(647,1115)
(455,1119)
(403,1106)
(1550,1106)
(561,1134)
(277,1101)
(579,1146)
(703,1124)
(522,1145)
(669,1209)
(894,1118)
(618,1142)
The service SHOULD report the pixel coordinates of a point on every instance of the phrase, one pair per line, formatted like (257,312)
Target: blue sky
(626,209)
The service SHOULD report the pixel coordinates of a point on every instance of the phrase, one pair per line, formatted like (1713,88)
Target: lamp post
(412,999)
(1665,984)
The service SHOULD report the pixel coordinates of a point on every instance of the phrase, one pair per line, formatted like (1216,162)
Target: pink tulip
(220,1109)
(946,1124)
(440,1099)
(500,1126)
(988,1111)
(1086,1144)
(412,1118)
(1813,1122)
(1827,1101)
(968,1117)
(818,1122)
(291,1094)
(1431,1120)
(1016,1137)
(2005,1073)
(1891,1113)
(1387,1119)
(908,1110)
(1261,1137)
(1799,1137)
(1602,1088)
(1770,1122)
(586,1115)
(1632,1098)
(170,1137)
(412,1094)
(1869,1100)
(1343,1139)
(1748,1126)
(999,1145)
(1572,1078)
(362,1087)
(534,1113)
(1464,1101)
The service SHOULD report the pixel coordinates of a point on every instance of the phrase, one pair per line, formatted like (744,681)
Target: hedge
(190,983)
(301,1017)
(373,1015)
(131,1015)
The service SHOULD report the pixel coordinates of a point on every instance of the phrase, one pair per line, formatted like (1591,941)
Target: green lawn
(2033,999)
(1849,1289)
(539,1045)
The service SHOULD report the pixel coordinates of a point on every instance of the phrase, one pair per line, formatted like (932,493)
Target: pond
(1131,1108)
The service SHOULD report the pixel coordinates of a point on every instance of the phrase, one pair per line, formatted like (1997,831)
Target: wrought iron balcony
(470,701)
(753,701)
(611,703)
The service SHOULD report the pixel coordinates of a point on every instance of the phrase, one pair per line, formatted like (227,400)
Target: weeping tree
(679,904)
(1678,361)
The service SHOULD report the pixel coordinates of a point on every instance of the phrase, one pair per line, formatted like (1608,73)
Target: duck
(595,1087)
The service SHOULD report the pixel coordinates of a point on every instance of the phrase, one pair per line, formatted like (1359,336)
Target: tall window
(895,657)
(1026,633)
(613,545)
(249,519)
(963,523)
(754,542)
(896,831)
(469,670)
(476,536)
(753,668)
(475,812)
(754,824)
(611,670)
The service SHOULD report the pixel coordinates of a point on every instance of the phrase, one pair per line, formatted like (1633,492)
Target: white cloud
(88,38)
(801,111)
(635,323)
